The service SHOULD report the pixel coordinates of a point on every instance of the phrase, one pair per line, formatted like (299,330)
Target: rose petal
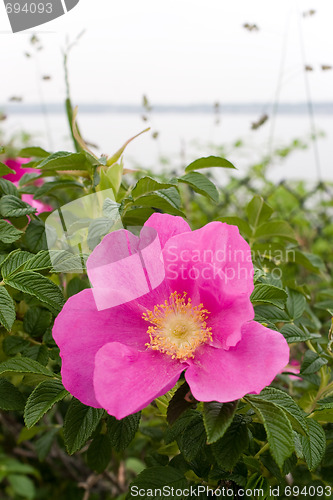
(126,380)
(16,164)
(213,265)
(127,265)
(226,324)
(219,375)
(80,330)
(167,226)
(39,205)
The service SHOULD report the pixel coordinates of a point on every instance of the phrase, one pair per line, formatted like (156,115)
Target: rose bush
(197,309)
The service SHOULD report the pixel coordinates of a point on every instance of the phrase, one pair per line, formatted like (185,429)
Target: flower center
(177,327)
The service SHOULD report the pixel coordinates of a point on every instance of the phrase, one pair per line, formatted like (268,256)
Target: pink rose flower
(16,164)
(120,353)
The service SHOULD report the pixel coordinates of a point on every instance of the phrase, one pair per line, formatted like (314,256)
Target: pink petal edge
(80,330)
(219,375)
(167,226)
(126,380)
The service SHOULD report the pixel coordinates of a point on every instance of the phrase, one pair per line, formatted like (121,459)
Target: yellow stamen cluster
(177,327)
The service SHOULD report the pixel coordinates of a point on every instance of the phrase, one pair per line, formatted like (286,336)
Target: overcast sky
(175,51)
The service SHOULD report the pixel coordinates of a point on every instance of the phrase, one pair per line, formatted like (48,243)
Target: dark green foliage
(80,423)
(121,432)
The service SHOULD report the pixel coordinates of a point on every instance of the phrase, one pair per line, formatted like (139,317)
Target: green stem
(68,103)
(328,389)
(310,346)
(323,388)
(262,450)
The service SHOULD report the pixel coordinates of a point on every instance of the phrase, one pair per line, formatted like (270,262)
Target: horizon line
(213,108)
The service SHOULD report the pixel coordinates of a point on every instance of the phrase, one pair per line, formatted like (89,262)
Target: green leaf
(7,187)
(281,399)
(80,423)
(36,321)
(104,182)
(98,228)
(35,236)
(200,184)
(325,403)
(121,432)
(113,176)
(167,200)
(310,261)
(193,441)
(275,228)
(12,466)
(217,419)
(147,185)
(264,293)
(76,285)
(5,170)
(41,400)
(312,362)
(242,225)
(44,443)
(8,233)
(277,426)
(50,187)
(190,433)
(11,206)
(39,286)
(326,305)
(3,256)
(14,261)
(14,344)
(39,261)
(259,483)
(137,217)
(293,333)
(258,211)
(99,453)
(24,365)
(208,162)
(7,309)
(235,441)
(63,160)
(63,261)
(10,396)
(35,152)
(271,313)
(29,179)
(314,444)
(156,480)
(38,353)
(180,425)
(22,486)
(56,260)
(328,459)
(295,304)
(179,403)
(323,416)
(111,209)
